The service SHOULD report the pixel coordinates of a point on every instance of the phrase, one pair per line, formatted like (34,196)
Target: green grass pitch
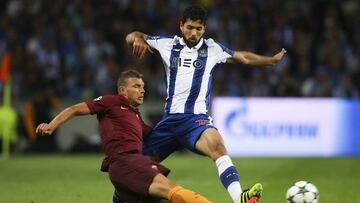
(77,179)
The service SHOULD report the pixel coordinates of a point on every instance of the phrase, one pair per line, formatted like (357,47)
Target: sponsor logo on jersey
(198,63)
(187,63)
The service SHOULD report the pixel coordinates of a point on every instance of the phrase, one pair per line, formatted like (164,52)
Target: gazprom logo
(238,123)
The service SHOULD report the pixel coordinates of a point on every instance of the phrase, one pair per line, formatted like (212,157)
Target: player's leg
(131,174)
(137,178)
(165,189)
(200,136)
(162,141)
(212,145)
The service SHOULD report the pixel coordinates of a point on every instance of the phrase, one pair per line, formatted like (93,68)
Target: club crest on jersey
(203,53)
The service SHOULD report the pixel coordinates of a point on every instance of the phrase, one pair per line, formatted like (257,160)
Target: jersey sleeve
(153,41)
(157,42)
(223,53)
(100,104)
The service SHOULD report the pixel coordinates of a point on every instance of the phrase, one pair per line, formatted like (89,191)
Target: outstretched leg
(164,188)
(212,145)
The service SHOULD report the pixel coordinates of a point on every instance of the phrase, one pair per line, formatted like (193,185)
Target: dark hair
(126,75)
(194,13)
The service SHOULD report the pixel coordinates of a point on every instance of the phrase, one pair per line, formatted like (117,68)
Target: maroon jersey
(121,126)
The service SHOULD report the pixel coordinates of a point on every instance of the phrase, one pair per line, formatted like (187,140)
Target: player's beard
(191,44)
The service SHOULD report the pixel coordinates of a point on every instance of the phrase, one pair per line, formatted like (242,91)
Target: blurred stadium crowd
(75,48)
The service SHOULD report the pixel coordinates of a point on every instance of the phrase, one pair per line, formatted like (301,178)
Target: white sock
(234,188)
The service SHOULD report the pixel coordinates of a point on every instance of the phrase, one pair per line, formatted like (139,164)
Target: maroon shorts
(132,174)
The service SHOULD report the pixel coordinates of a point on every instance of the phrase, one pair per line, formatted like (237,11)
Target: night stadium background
(296,121)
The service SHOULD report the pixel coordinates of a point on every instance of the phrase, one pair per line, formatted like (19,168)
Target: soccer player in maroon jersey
(136,178)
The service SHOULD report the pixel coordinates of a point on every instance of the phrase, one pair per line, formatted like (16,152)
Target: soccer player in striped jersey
(189,62)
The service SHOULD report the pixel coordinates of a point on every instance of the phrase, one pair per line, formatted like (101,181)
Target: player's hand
(44,129)
(277,57)
(140,47)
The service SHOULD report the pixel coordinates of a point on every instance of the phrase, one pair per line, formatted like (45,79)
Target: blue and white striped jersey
(188,71)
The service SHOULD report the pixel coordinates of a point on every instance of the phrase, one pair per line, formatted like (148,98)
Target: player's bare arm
(138,41)
(251,58)
(63,116)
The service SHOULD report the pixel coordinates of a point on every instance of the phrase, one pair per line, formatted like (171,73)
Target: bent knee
(211,144)
(217,152)
(213,150)
(161,186)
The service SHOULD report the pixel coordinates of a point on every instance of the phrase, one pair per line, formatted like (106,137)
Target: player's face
(134,91)
(192,31)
